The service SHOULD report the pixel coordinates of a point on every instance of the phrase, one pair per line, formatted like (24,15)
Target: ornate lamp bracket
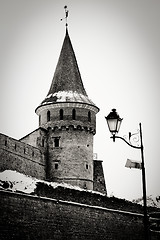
(133,139)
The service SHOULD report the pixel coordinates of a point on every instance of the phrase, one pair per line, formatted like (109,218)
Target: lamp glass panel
(118,124)
(112,124)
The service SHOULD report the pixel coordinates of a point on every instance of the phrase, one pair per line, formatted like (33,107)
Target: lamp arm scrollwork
(137,147)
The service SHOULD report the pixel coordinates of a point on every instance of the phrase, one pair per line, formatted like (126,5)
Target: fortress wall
(98,177)
(16,155)
(81,116)
(36,139)
(30,218)
(73,157)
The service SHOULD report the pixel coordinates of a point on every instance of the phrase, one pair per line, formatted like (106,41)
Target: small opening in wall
(89,116)
(74,114)
(56,142)
(24,150)
(32,154)
(42,142)
(39,119)
(48,116)
(56,166)
(86,166)
(61,114)
(15,146)
(5,143)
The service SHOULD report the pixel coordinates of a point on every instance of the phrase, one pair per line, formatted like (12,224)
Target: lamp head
(113,121)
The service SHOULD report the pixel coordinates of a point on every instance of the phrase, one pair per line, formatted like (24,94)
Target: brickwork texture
(30,218)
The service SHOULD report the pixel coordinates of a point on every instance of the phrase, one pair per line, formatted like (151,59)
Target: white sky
(117,45)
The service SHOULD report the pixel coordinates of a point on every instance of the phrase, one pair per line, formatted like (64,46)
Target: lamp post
(114,123)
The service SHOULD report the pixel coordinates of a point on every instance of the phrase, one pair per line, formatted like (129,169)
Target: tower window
(61,114)
(56,142)
(42,142)
(89,116)
(56,166)
(86,166)
(74,114)
(48,116)
(85,186)
(39,119)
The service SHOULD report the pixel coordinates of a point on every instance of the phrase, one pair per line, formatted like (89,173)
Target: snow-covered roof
(67,96)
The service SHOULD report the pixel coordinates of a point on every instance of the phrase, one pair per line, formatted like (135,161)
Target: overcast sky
(117,46)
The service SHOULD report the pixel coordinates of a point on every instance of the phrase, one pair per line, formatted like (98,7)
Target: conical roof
(67,85)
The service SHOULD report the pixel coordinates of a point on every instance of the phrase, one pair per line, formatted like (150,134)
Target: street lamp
(114,123)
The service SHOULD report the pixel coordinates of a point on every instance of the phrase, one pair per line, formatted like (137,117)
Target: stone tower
(70,118)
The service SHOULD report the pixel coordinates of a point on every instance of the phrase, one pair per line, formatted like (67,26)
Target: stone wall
(81,115)
(72,161)
(98,177)
(30,217)
(37,138)
(40,163)
(21,157)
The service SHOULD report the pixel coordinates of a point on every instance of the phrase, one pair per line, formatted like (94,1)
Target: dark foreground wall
(30,217)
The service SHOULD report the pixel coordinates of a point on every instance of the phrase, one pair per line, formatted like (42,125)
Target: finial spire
(66,15)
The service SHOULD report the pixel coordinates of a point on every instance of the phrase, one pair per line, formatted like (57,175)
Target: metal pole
(146,232)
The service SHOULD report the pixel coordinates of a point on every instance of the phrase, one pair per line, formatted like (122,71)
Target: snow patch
(151,201)
(15,181)
(63,96)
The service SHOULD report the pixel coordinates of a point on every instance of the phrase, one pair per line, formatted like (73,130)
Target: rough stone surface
(26,217)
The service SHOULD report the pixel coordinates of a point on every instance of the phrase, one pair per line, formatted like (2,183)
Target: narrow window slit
(56,166)
(48,116)
(61,114)
(74,114)
(89,116)
(56,142)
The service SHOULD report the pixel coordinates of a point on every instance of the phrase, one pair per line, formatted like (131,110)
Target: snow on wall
(15,181)
(18,182)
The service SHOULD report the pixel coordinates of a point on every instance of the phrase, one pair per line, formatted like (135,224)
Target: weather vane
(66,15)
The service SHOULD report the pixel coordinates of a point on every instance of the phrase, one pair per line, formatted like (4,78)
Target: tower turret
(70,118)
